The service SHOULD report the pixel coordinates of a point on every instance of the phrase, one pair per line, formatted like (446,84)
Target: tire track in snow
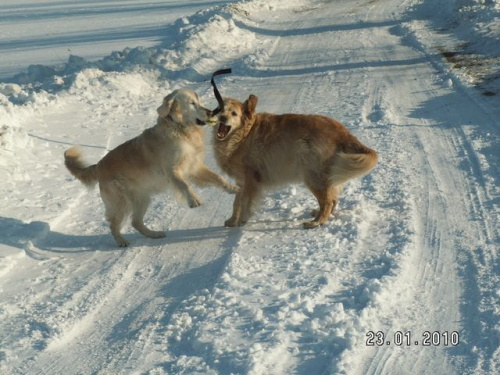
(100,328)
(109,311)
(474,237)
(423,302)
(443,229)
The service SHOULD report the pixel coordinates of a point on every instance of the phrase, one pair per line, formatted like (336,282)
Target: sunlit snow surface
(412,248)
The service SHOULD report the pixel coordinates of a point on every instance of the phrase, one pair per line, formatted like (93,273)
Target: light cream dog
(168,154)
(262,151)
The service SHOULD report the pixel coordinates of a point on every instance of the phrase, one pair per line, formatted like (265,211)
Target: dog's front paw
(157,234)
(122,242)
(194,202)
(232,189)
(234,223)
(311,224)
(230,223)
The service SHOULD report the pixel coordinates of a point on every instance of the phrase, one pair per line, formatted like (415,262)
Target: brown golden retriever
(262,151)
(170,153)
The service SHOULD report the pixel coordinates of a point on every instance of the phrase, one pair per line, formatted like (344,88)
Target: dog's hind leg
(335,200)
(140,205)
(325,209)
(327,199)
(117,208)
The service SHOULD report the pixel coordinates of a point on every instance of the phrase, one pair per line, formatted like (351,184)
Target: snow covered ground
(48,32)
(411,254)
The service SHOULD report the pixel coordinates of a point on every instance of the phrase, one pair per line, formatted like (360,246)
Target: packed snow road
(52,31)
(411,253)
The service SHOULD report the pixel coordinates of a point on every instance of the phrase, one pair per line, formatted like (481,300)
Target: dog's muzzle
(211,119)
(223,131)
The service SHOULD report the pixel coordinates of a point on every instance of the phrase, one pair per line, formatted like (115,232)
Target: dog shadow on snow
(37,238)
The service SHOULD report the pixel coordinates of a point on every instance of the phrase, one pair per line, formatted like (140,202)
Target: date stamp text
(400,338)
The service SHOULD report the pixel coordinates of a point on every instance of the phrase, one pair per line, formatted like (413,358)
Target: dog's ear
(175,111)
(170,107)
(250,105)
(166,105)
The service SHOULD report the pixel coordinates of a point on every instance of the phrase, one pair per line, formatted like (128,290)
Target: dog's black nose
(223,119)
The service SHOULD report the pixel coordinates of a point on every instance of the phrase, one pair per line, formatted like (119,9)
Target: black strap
(216,91)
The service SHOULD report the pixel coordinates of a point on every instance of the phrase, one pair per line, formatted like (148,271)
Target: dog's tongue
(222,131)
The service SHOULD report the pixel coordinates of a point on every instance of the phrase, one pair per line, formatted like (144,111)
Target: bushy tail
(86,174)
(347,166)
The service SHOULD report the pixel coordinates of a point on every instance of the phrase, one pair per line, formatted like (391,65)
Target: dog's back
(285,148)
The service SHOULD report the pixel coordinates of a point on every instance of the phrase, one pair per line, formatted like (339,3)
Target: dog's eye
(234,114)
(192,103)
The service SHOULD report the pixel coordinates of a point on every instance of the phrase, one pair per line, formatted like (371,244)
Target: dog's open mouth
(199,122)
(223,131)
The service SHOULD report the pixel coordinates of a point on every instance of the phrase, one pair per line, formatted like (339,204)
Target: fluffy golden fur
(263,150)
(170,154)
